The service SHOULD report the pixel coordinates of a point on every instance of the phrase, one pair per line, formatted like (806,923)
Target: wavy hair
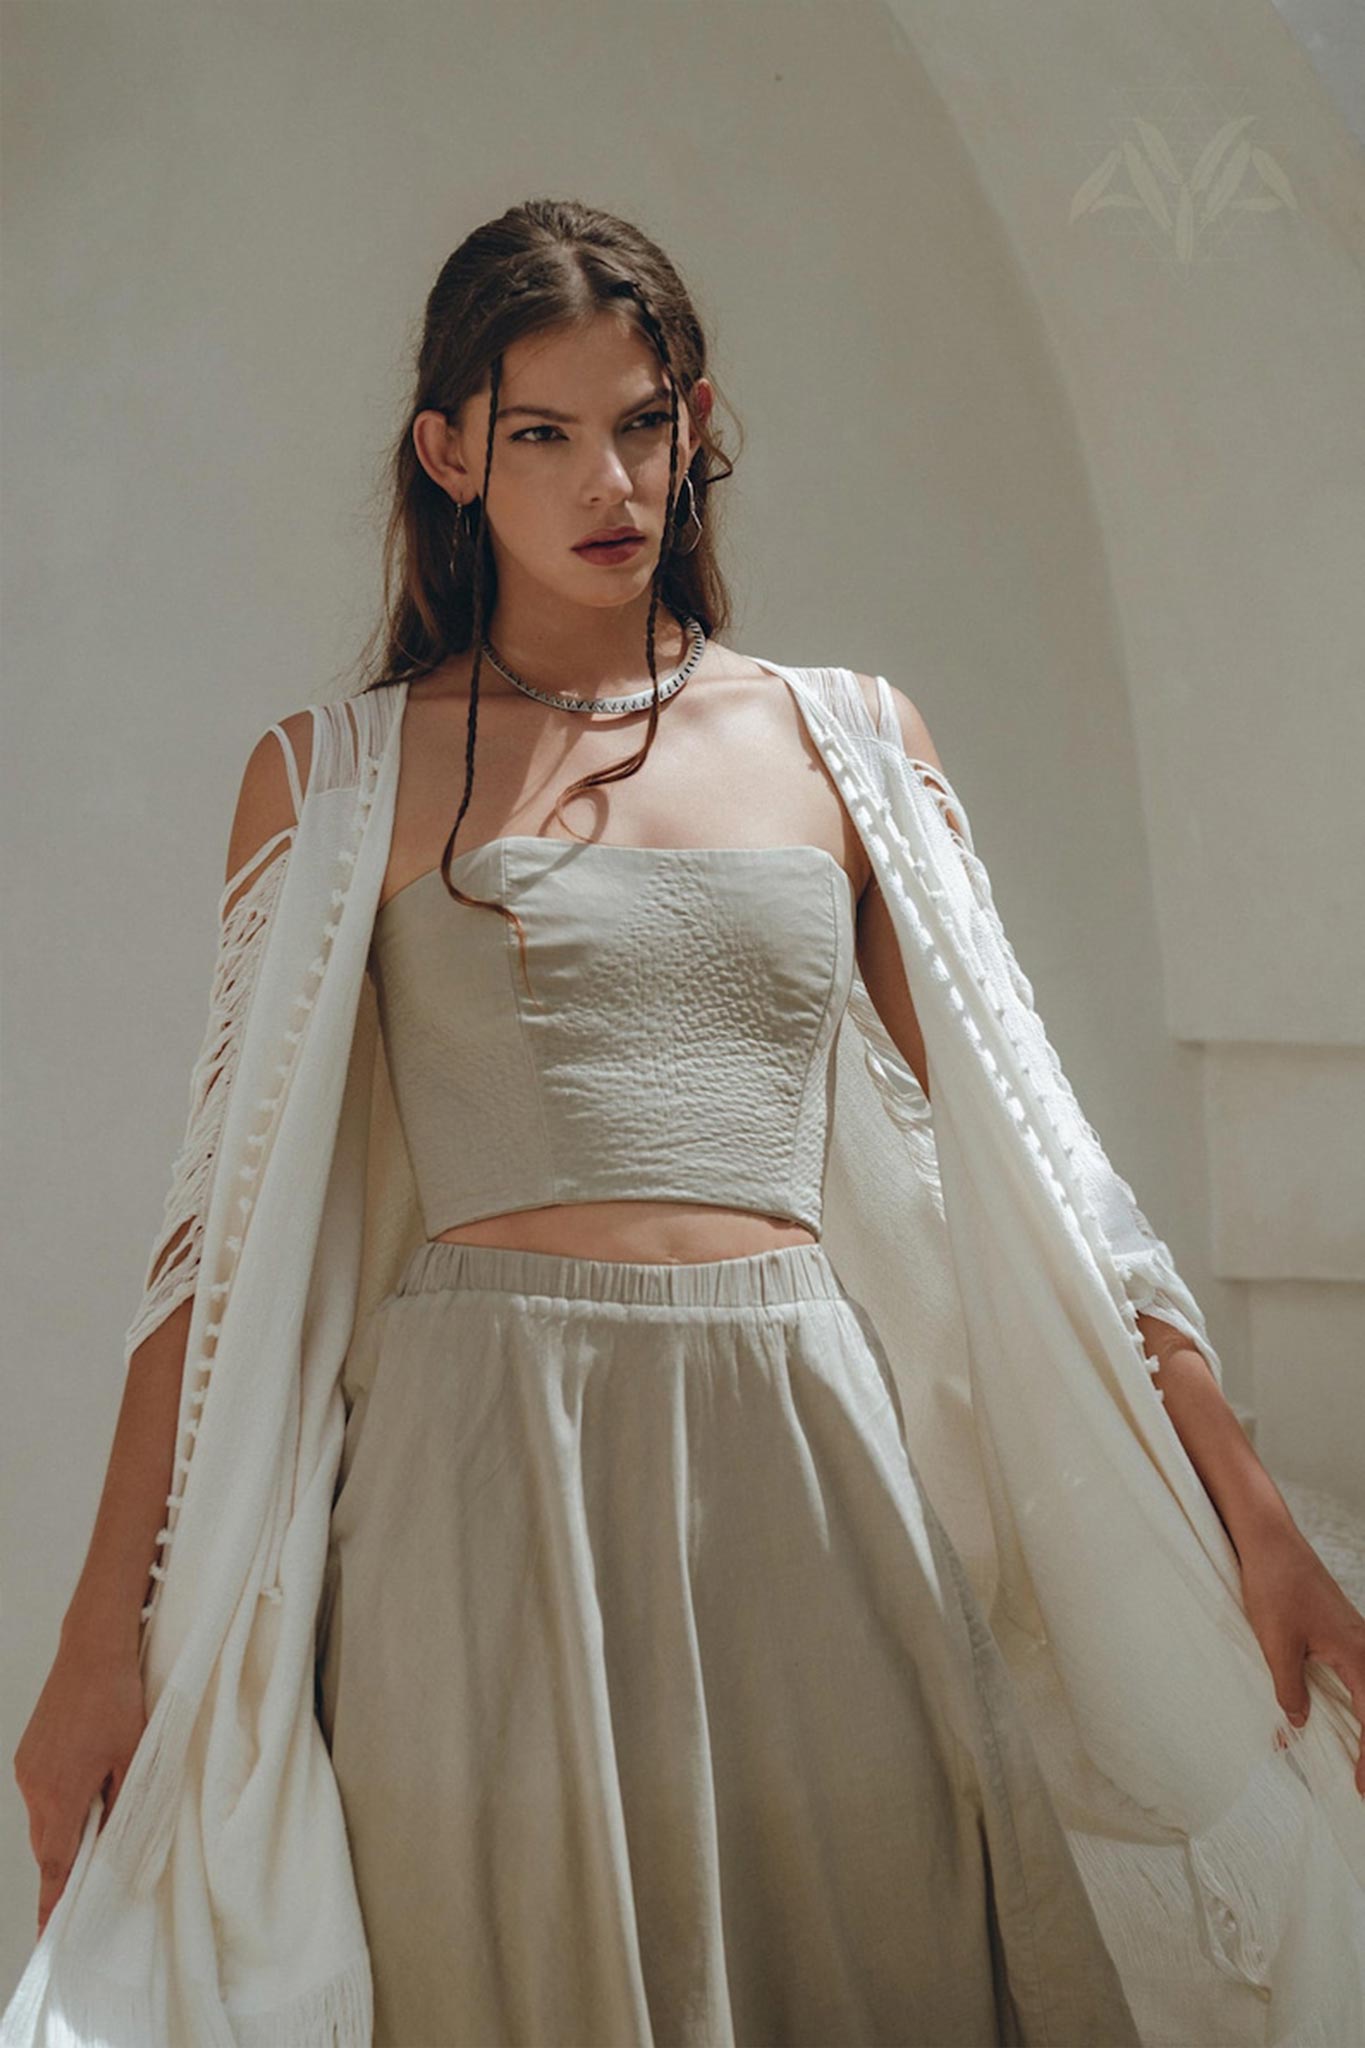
(547,263)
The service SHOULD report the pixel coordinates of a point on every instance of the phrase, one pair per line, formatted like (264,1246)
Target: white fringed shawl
(1003,1262)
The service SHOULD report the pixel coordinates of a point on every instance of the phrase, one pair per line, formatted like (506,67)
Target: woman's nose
(609,473)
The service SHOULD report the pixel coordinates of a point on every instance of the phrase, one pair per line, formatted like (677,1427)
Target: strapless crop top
(681,1041)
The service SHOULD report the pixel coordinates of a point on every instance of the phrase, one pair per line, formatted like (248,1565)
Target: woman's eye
(525,433)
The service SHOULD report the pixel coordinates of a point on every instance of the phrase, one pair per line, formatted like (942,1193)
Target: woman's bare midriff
(661,1233)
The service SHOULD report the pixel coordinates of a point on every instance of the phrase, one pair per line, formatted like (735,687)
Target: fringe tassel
(78,2008)
(137,1834)
(1197,1927)
(1240,1913)
(338,2014)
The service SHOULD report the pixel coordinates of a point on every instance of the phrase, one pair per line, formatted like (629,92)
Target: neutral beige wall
(1092,514)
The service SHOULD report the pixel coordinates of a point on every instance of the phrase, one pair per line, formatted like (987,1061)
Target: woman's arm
(104,1611)
(103,1616)
(1250,1506)
(878,948)
(90,1715)
(1242,1491)
(1294,1605)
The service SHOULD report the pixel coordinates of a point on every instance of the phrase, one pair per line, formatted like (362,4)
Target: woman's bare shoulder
(267,803)
(915,735)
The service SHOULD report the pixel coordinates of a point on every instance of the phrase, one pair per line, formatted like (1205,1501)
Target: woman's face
(581,442)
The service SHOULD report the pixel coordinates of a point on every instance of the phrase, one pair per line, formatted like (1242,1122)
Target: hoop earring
(694,514)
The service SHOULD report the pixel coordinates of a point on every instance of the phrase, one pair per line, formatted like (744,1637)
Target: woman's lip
(617,541)
(607,550)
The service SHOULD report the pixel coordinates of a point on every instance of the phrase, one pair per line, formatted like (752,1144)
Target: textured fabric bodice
(676,1042)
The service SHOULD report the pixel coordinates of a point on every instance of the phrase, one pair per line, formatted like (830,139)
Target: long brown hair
(543,264)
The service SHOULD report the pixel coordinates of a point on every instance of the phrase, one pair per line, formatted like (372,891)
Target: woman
(659,1702)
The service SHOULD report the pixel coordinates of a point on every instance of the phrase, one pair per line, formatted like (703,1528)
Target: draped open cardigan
(1003,1261)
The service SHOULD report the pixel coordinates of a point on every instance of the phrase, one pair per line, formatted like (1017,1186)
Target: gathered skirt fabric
(662,1711)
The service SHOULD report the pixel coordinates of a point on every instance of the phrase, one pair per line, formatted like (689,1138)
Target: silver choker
(638,700)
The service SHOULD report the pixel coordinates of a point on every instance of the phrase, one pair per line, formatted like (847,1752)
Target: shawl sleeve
(1151,1282)
(245,909)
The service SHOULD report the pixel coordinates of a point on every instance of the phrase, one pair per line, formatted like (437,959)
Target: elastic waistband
(792,1272)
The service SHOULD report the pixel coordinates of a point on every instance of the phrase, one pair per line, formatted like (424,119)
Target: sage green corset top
(677,1041)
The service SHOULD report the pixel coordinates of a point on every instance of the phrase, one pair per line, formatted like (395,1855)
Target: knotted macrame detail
(173,1270)
(338,760)
(1066,1148)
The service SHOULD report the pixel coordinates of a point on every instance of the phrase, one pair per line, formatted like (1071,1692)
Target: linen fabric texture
(673,1038)
(1002,1259)
(661,1709)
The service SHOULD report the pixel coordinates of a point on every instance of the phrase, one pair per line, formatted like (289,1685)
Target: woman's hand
(79,1740)
(1298,1610)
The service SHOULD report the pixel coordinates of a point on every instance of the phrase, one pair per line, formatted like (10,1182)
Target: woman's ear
(440,450)
(702,398)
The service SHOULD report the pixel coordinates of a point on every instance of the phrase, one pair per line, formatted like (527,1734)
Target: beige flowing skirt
(662,1710)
